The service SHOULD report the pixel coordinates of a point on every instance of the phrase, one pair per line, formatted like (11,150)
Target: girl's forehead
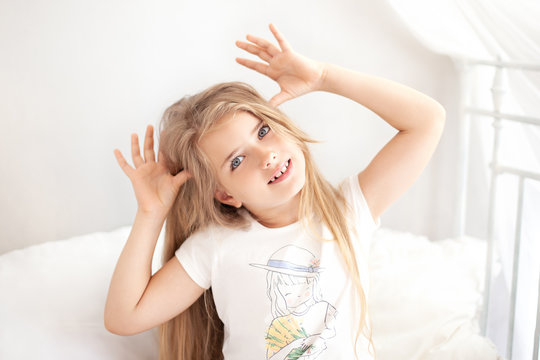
(222,121)
(232,118)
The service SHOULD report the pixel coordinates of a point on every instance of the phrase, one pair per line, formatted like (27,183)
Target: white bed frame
(497,169)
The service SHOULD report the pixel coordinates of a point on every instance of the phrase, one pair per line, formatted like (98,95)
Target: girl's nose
(269,159)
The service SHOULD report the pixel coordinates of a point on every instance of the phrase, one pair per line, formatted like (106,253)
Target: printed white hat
(293,260)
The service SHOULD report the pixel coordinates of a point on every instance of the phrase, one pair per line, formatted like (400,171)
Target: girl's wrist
(151,218)
(322,83)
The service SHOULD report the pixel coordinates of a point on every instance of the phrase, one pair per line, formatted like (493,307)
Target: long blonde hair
(197,333)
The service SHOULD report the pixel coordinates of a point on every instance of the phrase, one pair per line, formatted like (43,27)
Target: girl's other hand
(295,74)
(155,188)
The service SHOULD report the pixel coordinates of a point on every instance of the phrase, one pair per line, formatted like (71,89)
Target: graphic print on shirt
(303,322)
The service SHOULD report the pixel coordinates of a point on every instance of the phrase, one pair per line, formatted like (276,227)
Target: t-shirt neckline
(261,226)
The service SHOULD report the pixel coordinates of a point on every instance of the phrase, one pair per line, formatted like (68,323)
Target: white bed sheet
(424,300)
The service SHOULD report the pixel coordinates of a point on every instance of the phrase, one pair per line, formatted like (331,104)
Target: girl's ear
(227,199)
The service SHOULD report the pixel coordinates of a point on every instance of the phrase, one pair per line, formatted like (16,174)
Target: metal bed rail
(498,89)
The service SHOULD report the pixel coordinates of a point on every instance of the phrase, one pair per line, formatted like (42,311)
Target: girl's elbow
(436,118)
(118,330)
(439,113)
(432,115)
(114,326)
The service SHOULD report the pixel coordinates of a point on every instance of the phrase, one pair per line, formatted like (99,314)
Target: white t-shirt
(281,293)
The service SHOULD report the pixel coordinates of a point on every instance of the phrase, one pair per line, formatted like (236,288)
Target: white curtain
(509,31)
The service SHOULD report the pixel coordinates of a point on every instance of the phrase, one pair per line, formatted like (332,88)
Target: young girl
(278,253)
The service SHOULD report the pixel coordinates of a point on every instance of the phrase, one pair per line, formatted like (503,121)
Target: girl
(236,184)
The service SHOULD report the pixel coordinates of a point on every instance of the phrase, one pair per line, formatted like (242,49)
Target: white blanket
(424,301)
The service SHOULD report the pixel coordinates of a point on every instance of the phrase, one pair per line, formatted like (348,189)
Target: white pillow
(53,299)
(426,297)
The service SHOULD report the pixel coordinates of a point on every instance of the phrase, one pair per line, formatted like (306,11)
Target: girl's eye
(236,162)
(263,131)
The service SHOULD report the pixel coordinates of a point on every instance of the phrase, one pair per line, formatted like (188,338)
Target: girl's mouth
(282,174)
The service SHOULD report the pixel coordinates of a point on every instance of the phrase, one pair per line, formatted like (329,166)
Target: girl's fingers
(136,151)
(266,45)
(149,154)
(279,99)
(255,50)
(257,66)
(181,178)
(283,44)
(126,168)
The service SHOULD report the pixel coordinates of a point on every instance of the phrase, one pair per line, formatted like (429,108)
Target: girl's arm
(418,118)
(138,301)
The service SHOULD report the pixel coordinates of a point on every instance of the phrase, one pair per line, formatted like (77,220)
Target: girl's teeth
(283,169)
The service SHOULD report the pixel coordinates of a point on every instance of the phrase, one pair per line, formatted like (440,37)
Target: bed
(428,299)
(425,299)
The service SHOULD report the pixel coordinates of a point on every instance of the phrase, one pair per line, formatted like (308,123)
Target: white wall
(77,77)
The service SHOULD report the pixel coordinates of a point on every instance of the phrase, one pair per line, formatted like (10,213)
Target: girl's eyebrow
(255,129)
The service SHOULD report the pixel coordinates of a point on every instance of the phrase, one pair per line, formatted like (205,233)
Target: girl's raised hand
(295,74)
(155,188)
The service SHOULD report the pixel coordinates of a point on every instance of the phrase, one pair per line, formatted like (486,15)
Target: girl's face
(247,156)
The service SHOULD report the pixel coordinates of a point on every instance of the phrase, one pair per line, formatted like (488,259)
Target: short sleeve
(360,209)
(197,255)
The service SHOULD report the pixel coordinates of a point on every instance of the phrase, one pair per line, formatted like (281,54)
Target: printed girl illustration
(303,322)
